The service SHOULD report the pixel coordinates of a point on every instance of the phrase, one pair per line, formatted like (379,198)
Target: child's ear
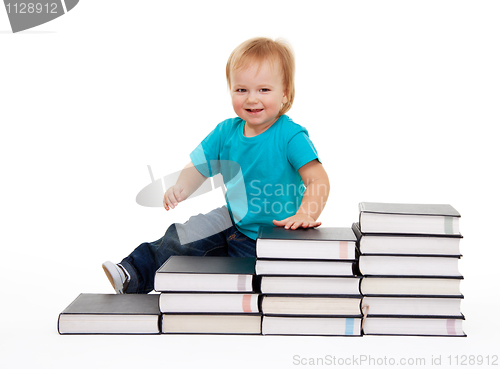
(285,99)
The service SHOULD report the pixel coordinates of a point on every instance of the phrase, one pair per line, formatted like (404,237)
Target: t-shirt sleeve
(206,156)
(301,150)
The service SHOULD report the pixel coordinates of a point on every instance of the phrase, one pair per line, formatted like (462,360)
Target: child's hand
(296,221)
(174,196)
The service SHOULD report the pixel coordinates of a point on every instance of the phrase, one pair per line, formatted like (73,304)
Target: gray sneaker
(117,275)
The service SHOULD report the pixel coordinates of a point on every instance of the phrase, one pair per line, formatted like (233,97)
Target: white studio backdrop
(399,97)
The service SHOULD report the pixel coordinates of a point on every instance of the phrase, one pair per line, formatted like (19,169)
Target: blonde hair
(261,49)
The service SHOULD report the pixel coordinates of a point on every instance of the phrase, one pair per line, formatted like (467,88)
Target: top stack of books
(308,282)
(409,262)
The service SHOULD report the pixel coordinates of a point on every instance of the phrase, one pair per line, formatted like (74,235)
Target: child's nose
(252,98)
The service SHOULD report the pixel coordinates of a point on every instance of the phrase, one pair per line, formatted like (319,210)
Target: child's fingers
(169,200)
(165,202)
(294,224)
(310,224)
(281,223)
(178,196)
(300,224)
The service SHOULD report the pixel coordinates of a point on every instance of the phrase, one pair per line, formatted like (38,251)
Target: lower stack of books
(208,295)
(307,282)
(409,262)
(199,295)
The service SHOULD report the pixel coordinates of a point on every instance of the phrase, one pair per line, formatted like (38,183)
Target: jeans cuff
(133,284)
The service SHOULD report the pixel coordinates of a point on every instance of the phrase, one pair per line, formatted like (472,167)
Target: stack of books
(208,295)
(409,262)
(308,283)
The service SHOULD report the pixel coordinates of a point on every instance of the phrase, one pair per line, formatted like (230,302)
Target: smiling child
(270,168)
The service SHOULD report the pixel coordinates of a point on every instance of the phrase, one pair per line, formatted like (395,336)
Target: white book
(412,306)
(407,244)
(411,286)
(310,305)
(310,285)
(413,327)
(211,324)
(311,326)
(328,243)
(303,267)
(209,303)
(409,266)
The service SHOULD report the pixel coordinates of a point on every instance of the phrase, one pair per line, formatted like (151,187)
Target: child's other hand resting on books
(297,221)
(314,200)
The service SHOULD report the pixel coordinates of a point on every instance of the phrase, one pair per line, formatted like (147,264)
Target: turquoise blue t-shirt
(260,173)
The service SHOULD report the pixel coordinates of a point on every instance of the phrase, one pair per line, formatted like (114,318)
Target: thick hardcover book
(311,305)
(111,314)
(212,323)
(431,219)
(172,302)
(311,326)
(422,266)
(412,306)
(311,243)
(304,267)
(402,326)
(403,244)
(310,285)
(409,286)
(205,274)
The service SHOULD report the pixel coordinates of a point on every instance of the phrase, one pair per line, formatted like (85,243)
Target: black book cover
(409,209)
(208,265)
(111,304)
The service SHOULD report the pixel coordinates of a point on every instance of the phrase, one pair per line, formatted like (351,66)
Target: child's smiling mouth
(254,110)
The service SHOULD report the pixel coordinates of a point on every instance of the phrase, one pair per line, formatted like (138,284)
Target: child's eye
(240,90)
(264,90)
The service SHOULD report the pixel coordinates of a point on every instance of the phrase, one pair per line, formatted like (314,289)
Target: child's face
(257,94)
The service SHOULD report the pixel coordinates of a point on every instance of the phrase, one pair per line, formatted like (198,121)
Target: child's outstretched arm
(314,200)
(188,182)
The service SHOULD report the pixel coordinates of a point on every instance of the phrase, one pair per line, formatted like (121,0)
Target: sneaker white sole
(113,273)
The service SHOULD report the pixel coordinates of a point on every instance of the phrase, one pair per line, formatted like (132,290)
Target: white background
(401,99)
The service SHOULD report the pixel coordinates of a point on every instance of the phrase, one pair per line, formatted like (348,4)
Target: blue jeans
(145,260)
